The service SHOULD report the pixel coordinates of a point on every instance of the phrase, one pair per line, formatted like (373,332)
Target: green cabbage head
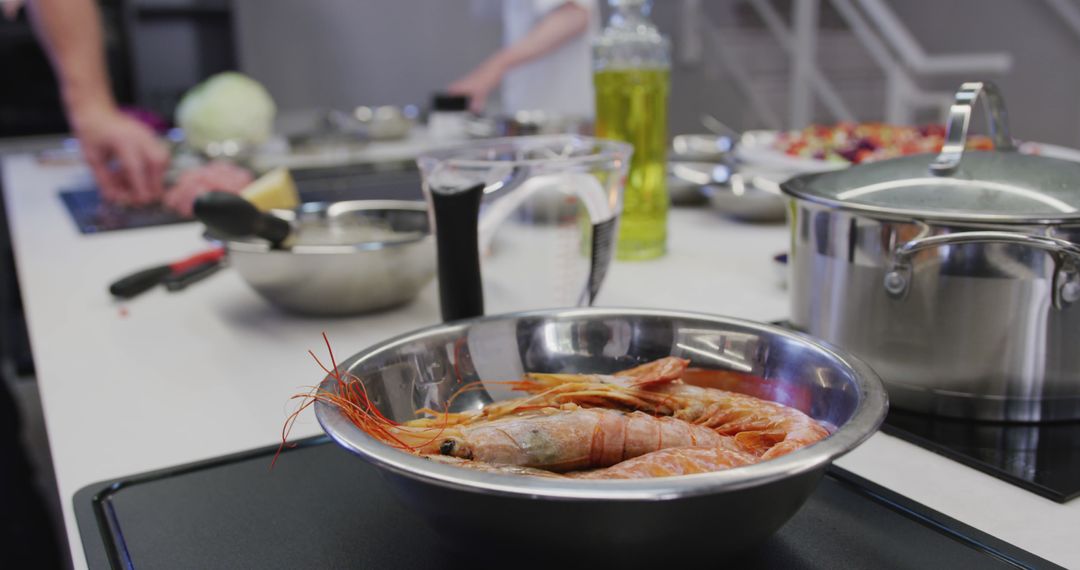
(227,106)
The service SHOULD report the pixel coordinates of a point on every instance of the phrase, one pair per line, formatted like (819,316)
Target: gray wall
(1043,89)
(692,91)
(343,53)
(176,44)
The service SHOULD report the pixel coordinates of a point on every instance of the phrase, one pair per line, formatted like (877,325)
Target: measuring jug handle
(456,213)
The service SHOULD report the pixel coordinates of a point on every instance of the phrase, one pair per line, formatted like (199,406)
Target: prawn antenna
(350,396)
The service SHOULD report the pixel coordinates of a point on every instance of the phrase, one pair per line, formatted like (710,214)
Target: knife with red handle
(180,281)
(140,281)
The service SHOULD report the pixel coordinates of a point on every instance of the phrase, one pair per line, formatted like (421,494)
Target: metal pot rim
(798,187)
(256,245)
(461,155)
(868,415)
(1001,172)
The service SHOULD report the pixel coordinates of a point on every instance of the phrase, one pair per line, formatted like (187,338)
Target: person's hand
(478,84)
(218,176)
(127,159)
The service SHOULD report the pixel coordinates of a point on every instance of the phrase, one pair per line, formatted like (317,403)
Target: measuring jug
(524,222)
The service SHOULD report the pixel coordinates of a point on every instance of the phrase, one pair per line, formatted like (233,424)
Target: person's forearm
(558,26)
(71,32)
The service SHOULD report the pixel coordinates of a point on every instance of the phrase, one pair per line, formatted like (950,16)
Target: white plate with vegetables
(823,148)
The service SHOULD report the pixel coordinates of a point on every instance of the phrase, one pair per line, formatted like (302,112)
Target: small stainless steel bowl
(748,198)
(686,181)
(723,511)
(711,148)
(384,123)
(344,257)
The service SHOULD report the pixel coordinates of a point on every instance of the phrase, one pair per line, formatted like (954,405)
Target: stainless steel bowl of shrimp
(621,429)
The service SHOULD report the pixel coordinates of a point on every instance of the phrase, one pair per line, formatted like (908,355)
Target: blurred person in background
(546,61)
(545,65)
(127,159)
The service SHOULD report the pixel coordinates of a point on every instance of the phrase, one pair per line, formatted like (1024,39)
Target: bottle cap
(449,102)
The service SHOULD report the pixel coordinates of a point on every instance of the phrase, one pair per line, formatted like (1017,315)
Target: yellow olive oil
(631,106)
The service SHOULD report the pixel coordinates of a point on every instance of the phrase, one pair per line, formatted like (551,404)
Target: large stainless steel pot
(668,517)
(955,277)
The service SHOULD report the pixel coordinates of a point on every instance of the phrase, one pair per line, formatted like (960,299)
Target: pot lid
(990,186)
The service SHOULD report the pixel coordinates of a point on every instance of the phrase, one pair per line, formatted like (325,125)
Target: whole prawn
(674,461)
(692,429)
(668,462)
(561,438)
(762,427)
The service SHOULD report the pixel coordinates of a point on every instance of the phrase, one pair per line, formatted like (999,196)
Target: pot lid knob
(960,119)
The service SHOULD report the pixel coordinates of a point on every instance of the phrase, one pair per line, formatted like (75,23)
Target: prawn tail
(664,370)
(758,442)
(797,439)
(558,389)
(782,448)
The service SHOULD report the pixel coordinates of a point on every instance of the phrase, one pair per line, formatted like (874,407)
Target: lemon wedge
(273,190)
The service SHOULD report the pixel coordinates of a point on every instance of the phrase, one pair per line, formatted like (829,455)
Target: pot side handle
(959,120)
(1066,256)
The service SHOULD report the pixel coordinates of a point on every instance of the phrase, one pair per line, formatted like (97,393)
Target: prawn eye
(447,447)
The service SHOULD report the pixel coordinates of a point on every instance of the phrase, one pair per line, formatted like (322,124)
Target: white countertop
(167,378)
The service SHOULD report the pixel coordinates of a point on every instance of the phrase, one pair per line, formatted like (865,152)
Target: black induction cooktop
(321,507)
(1042,458)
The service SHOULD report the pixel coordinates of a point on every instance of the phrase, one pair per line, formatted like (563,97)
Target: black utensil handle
(273,229)
(234,216)
(139,281)
(227,213)
(461,293)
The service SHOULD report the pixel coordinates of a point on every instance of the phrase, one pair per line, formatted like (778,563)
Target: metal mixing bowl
(721,511)
(343,258)
(748,197)
(686,181)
